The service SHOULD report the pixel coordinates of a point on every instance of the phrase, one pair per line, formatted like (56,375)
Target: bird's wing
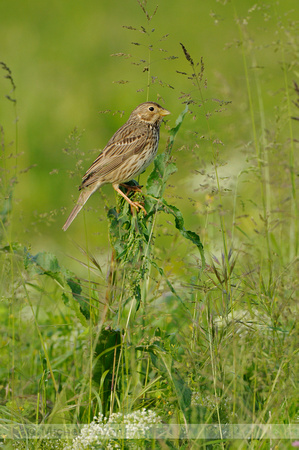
(126,142)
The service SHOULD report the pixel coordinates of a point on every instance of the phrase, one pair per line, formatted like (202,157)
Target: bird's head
(149,112)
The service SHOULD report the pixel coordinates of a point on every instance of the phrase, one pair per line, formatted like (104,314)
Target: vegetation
(186,315)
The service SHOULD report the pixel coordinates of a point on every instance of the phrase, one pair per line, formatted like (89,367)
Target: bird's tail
(83,197)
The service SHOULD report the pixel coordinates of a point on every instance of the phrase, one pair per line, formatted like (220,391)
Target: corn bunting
(128,153)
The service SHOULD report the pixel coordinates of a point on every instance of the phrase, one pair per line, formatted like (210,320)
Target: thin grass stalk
(148,19)
(214,369)
(8,191)
(294,220)
(221,218)
(120,299)
(235,209)
(261,418)
(264,172)
(224,238)
(40,337)
(260,154)
(114,378)
(146,267)
(254,392)
(84,383)
(146,373)
(91,346)
(222,223)
(263,166)
(148,74)
(194,335)
(116,372)
(34,318)
(12,321)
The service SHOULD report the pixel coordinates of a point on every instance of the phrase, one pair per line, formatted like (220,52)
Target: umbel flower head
(119,431)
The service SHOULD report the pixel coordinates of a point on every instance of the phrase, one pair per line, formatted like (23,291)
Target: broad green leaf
(42,262)
(187,234)
(75,286)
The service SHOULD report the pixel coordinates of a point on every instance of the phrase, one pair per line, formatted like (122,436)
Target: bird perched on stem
(128,153)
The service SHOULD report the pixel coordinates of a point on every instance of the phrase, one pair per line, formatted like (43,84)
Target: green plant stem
(146,267)
(41,339)
(260,153)
(148,74)
(195,77)
(294,221)
(214,372)
(91,346)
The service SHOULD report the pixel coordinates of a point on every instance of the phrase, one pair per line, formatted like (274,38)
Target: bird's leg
(129,188)
(135,205)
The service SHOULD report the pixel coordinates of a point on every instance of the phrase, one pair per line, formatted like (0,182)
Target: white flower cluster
(103,433)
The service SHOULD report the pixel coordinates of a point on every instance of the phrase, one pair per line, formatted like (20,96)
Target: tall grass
(192,333)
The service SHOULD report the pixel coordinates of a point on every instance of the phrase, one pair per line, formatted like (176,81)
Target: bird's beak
(164,112)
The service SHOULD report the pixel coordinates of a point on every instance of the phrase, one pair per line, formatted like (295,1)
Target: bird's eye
(151,108)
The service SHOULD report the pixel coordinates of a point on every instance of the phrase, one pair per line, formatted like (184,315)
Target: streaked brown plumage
(128,153)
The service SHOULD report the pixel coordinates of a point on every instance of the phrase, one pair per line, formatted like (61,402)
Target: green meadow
(188,315)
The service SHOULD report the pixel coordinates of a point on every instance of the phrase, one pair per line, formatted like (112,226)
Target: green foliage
(131,235)
(187,234)
(106,356)
(164,362)
(45,263)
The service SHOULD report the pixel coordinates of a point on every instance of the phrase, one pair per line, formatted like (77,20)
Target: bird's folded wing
(125,143)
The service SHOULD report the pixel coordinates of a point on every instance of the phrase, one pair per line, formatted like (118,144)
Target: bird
(127,154)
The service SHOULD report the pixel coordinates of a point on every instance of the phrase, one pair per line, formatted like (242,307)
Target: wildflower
(107,433)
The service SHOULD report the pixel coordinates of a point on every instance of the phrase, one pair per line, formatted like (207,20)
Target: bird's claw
(137,205)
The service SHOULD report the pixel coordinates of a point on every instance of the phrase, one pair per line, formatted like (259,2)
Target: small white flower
(136,424)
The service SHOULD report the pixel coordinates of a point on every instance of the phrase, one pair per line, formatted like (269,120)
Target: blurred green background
(60,57)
